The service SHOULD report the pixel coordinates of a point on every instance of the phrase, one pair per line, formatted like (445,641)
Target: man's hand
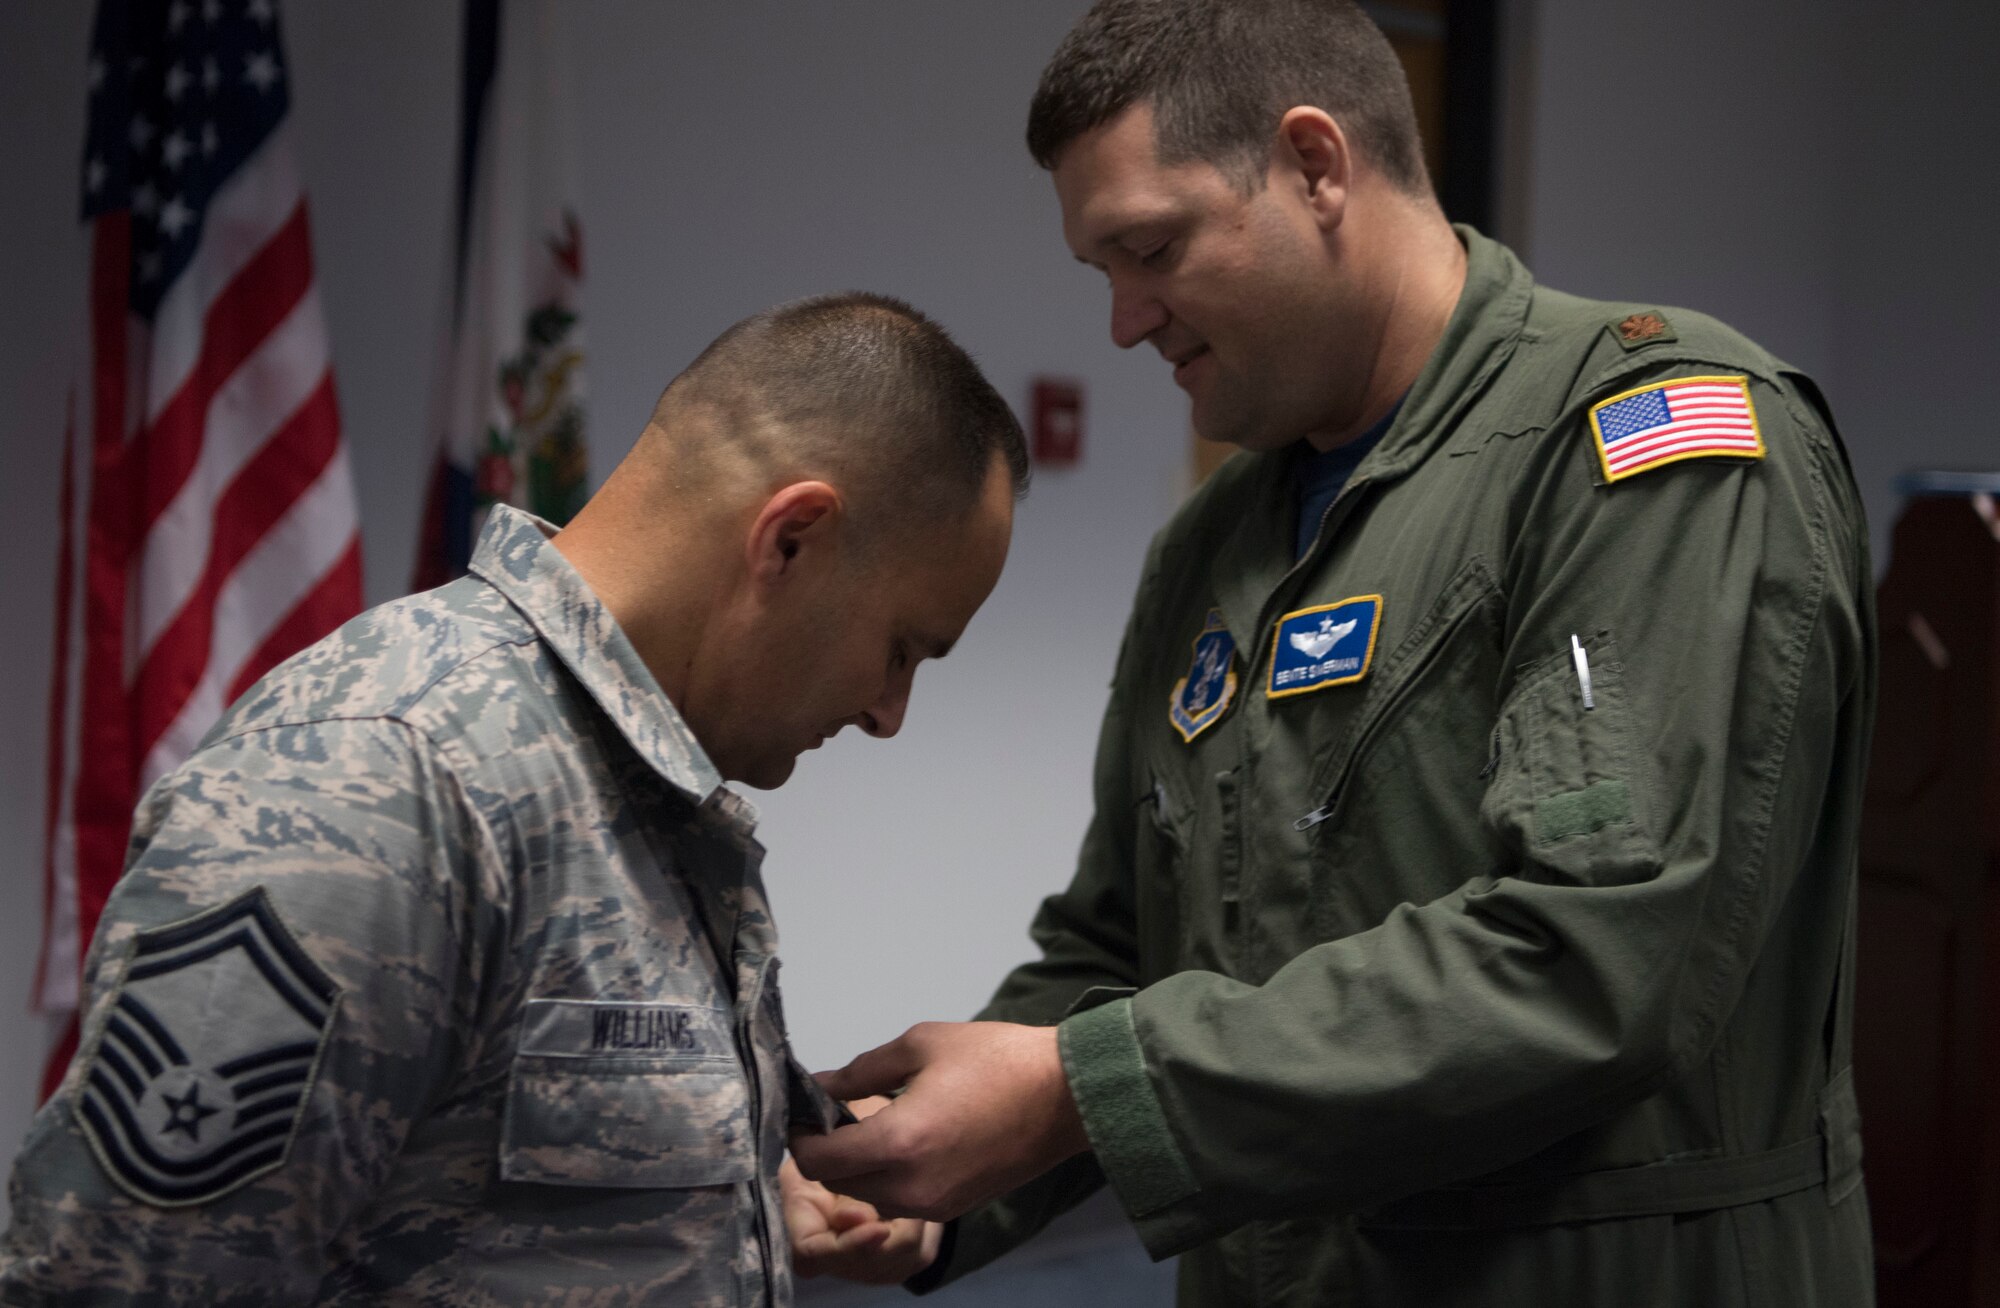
(834,1235)
(985,1108)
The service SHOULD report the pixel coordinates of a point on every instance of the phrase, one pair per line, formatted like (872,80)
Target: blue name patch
(1200,697)
(1328,645)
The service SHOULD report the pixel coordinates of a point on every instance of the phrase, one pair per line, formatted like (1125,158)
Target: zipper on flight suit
(1347,493)
(1318,815)
(1325,811)
(1408,677)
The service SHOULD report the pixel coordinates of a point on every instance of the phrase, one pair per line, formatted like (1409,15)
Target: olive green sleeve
(1644,842)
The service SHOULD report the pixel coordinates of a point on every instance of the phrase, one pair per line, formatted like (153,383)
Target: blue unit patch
(1202,695)
(202,1066)
(1328,645)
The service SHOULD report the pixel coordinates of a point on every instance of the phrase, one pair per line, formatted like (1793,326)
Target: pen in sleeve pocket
(1582,670)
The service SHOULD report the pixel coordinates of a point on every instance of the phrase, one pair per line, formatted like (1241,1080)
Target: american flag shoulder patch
(1682,418)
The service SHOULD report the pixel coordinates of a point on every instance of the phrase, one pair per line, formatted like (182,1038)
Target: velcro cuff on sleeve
(1121,1113)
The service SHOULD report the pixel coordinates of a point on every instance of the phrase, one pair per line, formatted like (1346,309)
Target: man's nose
(885,718)
(1135,315)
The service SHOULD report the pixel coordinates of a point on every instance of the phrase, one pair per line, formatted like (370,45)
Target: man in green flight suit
(1467,915)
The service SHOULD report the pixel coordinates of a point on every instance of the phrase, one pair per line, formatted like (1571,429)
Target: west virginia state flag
(507,408)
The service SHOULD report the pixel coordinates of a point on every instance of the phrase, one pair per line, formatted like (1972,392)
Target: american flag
(1687,418)
(208,516)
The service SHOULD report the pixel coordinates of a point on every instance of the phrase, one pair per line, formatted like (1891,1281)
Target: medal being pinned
(1201,696)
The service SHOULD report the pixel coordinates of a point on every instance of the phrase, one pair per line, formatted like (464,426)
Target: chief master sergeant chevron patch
(201,1069)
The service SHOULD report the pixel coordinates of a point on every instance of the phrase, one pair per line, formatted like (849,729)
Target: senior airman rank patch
(1686,418)
(201,1071)
(1204,693)
(1327,645)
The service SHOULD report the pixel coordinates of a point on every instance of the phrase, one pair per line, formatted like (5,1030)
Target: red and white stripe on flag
(209,527)
(1665,422)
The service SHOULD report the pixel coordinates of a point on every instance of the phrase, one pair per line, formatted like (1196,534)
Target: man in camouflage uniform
(442,972)
(1467,914)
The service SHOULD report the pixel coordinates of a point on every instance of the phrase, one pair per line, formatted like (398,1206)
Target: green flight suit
(1439,985)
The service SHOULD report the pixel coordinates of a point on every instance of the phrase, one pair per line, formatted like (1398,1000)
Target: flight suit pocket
(1569,779)
(642,1095)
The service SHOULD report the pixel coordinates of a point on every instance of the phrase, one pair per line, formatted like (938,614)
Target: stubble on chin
(1218,420)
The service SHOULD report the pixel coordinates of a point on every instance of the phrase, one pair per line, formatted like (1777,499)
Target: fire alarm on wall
(1056,422)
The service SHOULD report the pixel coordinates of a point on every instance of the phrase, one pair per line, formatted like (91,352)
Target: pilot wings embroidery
(1312,644)
(1324,646)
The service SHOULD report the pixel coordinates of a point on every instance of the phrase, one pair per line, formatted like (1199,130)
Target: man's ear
(1310,154)
(800,519)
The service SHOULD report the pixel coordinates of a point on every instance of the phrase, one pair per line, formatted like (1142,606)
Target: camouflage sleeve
(273,995)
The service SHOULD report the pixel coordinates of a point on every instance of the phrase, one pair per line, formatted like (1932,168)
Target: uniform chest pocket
(647,1096)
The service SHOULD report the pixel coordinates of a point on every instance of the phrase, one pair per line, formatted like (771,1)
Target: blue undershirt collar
(1321,474)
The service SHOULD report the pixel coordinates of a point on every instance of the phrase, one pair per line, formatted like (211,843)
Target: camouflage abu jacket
(441,973)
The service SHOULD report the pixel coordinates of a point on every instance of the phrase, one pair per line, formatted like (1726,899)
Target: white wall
(1919,275)
(1814,172)
(1778,164)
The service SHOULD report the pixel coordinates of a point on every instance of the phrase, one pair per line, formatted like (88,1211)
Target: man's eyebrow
(1122,234)
(1115,236)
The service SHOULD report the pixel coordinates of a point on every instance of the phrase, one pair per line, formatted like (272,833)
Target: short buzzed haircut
(861,390)
(1219,74)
